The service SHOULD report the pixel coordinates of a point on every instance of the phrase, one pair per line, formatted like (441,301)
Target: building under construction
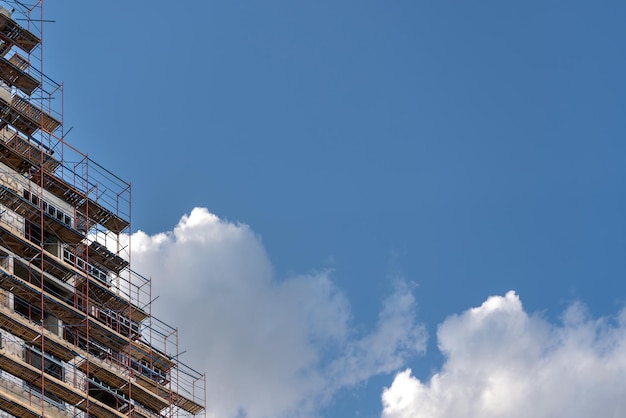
(77,338)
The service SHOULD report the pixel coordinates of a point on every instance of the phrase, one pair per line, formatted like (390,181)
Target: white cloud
(278,348)
(502,362)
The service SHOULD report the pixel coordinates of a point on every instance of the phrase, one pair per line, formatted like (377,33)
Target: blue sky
(452,150)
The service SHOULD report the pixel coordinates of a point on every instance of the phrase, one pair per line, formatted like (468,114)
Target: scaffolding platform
(16,406)
(19,368)
(68,314)
(55,345)
(74,396)
(72,316)
(11,71)
(178,399)
(29,331)
(104,372)
(26,117)
(32,294)
(60,269)
(96,212)
(187,404)
(109,299)
(13,34)
(23,207)
(56,267)
(63,311)
(103,216)
(107,259)
(21,155)
(58,187)
(16,244)
(140,412)
(44,121)
(140,351)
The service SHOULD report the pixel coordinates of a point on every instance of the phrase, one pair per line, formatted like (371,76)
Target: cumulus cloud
(270,347)
(502,362)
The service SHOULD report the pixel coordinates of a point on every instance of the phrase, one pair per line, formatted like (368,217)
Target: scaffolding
(77,336)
